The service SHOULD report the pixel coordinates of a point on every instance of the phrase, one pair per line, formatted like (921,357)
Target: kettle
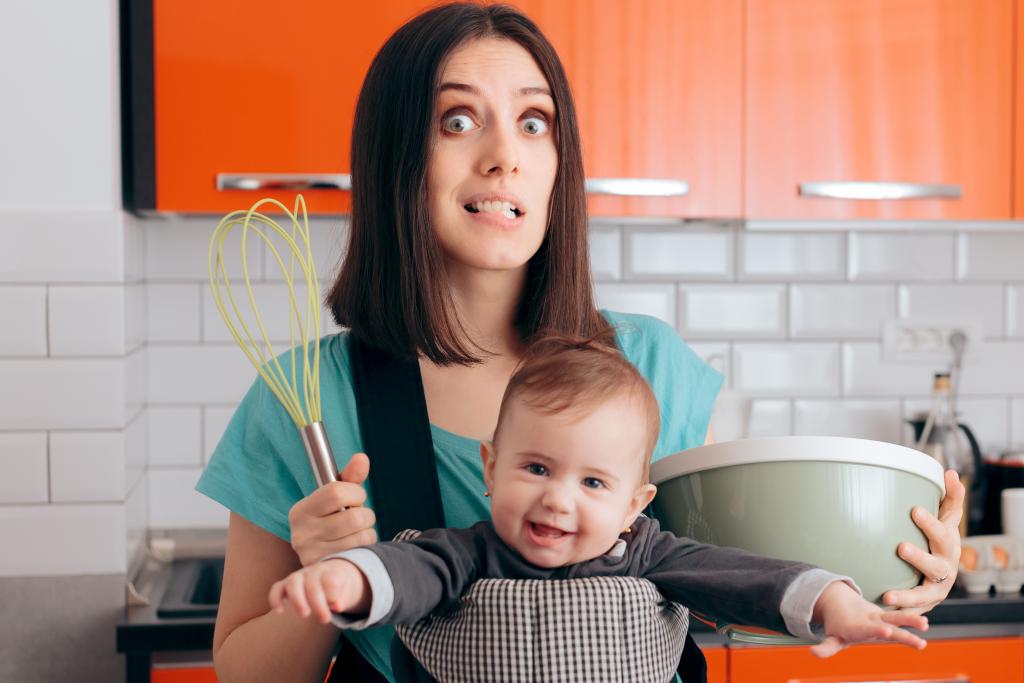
(966,461)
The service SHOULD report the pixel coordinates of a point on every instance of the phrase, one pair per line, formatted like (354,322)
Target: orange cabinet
(886,91)
(183,674)
(264,87)
(718,664)
(658,89)
(1018,166)
(982,660)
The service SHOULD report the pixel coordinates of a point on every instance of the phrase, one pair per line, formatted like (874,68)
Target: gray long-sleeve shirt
(411,579)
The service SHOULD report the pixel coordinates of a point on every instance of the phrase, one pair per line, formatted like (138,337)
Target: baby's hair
(566,373)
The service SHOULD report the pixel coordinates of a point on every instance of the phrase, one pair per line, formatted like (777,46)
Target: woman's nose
(500,155)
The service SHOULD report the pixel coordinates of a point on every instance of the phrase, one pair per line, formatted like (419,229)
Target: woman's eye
(592,483)
(535,125)
(458,123)
(534,468)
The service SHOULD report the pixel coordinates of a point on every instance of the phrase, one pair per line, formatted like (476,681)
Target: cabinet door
(909,91)
(718,664)
(183,674)
(267,87)
(1018,166)
(259,86)
(658,90)
(982,660)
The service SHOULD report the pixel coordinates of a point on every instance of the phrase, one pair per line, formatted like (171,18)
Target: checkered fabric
(593,629)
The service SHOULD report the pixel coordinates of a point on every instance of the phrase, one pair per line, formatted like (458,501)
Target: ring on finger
(941,579)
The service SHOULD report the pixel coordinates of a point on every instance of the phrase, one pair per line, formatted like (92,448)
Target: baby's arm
(322,588)
(848,618)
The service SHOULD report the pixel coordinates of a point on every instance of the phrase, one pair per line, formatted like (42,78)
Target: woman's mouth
(504,209)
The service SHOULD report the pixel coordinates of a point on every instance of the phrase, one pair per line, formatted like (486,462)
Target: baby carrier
(600,629)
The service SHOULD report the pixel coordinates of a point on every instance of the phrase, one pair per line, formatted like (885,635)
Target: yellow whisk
(303,407)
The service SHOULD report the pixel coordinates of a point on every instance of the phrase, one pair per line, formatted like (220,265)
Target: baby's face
(563,487)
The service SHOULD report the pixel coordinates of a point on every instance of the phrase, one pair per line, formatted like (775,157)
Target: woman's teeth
(507,209)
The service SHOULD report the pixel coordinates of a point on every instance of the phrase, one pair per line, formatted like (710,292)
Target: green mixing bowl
(842,504)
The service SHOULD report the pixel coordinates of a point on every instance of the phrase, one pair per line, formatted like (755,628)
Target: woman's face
(493,161)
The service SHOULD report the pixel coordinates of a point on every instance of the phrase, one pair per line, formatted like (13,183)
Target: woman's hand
(332,519)
(939,566)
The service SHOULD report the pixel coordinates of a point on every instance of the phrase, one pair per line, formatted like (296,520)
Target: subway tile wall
(72,392)
(793,320)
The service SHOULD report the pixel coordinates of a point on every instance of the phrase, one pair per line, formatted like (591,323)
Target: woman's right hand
(332,518)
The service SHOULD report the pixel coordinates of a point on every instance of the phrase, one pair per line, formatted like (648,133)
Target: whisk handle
(321,459)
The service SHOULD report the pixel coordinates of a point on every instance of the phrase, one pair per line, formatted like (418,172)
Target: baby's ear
(487,456)
(641,499)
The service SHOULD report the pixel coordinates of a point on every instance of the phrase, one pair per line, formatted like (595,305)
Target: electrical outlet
(906,339)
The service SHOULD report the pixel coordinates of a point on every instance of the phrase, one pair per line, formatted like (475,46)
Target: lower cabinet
(718,664)
(978,660)
(183,674)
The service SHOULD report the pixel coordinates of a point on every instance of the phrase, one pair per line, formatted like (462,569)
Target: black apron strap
(396,435)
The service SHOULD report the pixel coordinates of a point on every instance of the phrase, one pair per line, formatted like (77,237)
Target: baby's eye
(593,483)
(535,125)
(535,468)
(458,123)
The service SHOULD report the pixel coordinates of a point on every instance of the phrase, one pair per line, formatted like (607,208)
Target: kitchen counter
(144,634)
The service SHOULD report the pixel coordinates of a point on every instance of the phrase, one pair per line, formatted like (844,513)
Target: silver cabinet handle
(638,187)
(284,181)
(627,187)
(843,189)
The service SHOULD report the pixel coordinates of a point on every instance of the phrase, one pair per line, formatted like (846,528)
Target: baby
(567,474)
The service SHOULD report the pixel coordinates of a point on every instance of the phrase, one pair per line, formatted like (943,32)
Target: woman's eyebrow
(465,87)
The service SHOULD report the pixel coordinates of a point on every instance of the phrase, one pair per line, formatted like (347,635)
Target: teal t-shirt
(259,469)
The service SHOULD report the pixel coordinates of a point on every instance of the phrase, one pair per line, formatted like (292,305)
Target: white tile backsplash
(1015,311)
(1017,423)
(62,246)
(998,370)
(658,300)
(905,256)
(62,394)
(786,368)
(990,256)
(23,463)
(63,540)
(177,249)
(879,420)
(175,504)
(732,311)
(198,374)
(173,312)
(866,373)
(22,321)
(792,257)
(770,417)
(87,467)
(605,253)
(273,302)
(87,320)
(832,311)
(174,435)
(685,254)
(954,302)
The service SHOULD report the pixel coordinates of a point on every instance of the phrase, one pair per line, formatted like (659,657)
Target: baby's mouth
(545,531)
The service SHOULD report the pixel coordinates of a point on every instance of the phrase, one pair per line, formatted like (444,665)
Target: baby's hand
(322,588)
(848,618)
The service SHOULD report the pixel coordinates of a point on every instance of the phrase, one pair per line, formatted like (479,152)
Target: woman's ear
(641,499)
(488,456)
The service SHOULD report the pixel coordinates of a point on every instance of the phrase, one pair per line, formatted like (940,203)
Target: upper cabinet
(1018,162)
(264,88)
(658,92)
(259,87)
(914,95)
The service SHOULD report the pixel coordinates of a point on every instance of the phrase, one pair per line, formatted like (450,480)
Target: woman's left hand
(939,566)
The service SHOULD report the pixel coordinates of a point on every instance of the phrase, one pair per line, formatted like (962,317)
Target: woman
(468,235)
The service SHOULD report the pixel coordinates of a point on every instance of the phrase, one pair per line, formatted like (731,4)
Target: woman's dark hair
(392,290)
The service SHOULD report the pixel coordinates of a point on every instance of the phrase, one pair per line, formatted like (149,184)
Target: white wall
(72,382)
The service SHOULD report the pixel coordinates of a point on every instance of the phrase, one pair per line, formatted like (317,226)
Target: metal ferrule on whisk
(321,459)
